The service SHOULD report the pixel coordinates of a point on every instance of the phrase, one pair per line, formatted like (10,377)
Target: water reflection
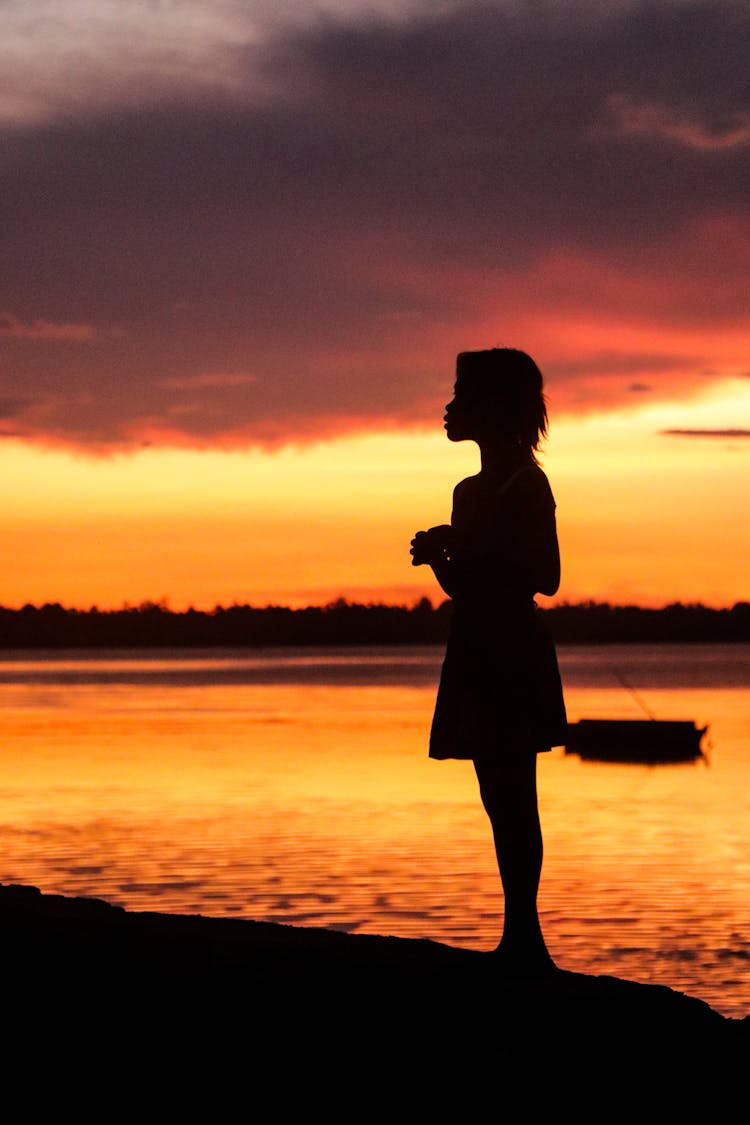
(314,803)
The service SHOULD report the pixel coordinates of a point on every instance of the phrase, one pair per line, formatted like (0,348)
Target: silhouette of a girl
(500,699)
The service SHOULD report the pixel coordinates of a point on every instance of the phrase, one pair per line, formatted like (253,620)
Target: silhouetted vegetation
(342,623)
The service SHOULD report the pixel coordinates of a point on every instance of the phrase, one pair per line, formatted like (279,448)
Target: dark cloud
(707,433)
(215,267)
(10,408)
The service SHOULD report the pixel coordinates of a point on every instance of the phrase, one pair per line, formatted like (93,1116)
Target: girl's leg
(509,795)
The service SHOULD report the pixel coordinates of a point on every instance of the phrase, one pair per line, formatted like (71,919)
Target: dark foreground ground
(113,1014)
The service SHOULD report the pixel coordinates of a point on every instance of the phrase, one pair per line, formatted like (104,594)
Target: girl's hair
(507,381)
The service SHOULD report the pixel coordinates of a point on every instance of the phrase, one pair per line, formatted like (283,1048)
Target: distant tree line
(152,624)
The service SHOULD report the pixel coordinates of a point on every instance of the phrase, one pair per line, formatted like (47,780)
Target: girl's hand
(431,546)
(419,549)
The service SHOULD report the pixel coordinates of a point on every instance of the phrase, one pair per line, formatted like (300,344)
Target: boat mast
(636,696)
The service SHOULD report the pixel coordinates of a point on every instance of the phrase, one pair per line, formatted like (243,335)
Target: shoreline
(353,623)
(267,1006)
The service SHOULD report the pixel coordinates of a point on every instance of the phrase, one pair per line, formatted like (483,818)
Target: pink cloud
(633,118)
(208,379)
(43,329)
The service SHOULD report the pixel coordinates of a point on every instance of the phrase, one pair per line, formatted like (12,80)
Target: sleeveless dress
(500,691)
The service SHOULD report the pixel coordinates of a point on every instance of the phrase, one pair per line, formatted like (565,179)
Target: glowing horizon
(640,514)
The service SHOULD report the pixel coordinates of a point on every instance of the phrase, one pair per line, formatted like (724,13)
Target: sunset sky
(242,243)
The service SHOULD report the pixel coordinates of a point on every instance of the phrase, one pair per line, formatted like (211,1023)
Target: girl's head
(498,396)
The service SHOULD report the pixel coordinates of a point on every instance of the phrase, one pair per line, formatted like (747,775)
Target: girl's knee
(507,787)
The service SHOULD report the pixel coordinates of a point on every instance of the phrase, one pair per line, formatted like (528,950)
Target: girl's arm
(433,547)
(530,554)
(544,557)
(444,571)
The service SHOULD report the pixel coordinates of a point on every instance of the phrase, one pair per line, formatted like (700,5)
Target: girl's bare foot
(523,962)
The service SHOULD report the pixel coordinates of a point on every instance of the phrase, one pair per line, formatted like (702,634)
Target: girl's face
(469,416)
(462,416)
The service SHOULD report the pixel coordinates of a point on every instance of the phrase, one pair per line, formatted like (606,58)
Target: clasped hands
(431,546)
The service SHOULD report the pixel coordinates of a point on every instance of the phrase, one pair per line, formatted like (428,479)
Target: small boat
(650,741)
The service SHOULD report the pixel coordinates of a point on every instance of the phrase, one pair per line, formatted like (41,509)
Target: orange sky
(643,517)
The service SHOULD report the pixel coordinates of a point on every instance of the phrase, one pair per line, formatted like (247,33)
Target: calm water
(293,786)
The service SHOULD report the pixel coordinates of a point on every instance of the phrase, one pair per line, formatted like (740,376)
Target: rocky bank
(195,1015)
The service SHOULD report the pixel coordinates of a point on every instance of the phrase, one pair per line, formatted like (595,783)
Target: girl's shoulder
(530,476)
(528,486)
(464,486)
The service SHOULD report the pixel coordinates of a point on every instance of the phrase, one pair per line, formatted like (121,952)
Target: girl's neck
(499,461)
